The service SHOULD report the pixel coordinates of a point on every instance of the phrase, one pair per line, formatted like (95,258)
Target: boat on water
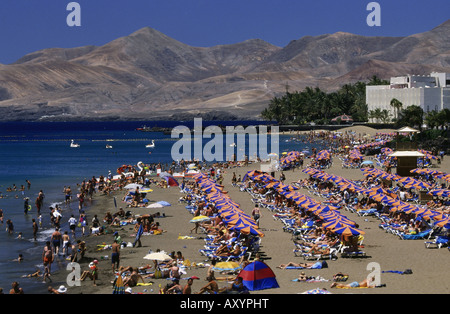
(108,147)
(151,145)
(73,144)
(144,128)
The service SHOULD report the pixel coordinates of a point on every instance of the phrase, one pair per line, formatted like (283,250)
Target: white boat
(72,144)
(151,145)
(109,146)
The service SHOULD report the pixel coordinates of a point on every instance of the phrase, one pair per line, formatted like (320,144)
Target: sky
(30,25)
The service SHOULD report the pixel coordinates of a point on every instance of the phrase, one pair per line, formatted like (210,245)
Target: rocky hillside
(148,75)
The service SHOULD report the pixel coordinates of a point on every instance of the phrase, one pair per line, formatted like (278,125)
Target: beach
(429,266)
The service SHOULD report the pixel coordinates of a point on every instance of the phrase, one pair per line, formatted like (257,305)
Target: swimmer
(19,259)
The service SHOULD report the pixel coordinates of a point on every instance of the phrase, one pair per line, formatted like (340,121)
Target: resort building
(431,92)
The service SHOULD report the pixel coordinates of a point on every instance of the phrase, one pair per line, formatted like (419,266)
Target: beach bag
(158,274)
(407,272)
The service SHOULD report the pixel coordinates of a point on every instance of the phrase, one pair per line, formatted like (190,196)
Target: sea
(40,152)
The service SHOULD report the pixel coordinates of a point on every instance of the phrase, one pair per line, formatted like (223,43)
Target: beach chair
(353,254)
(303,251)
(420,235)
(351,209)
(368,212)
(438,242)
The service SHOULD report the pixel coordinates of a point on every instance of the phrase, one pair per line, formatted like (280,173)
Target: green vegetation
(315,105)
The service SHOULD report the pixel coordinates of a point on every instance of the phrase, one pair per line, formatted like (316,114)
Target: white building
(431,92)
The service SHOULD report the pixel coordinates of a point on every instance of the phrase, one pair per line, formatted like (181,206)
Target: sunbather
(315,249)
(366,283)
(299,265)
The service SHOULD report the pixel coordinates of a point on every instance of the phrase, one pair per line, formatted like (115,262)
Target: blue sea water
(41,153)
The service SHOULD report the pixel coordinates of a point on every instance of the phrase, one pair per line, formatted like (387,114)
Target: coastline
(428,265)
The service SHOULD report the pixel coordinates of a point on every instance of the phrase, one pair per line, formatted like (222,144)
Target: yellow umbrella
(227,266)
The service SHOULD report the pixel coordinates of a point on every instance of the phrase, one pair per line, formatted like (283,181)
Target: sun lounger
(353,254)
(438,242)
(420,235)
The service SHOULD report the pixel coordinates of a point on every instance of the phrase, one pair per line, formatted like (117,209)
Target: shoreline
(428,265)
(383,248)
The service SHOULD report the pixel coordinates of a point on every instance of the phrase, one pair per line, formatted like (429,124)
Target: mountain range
(148,75)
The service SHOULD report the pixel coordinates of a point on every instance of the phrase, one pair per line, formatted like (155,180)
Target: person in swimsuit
(15,289)
(188,287)
(115,255)
(47,258)
(212,287)
(92,274)
(176,288)
(366,283)
(133,278)
(35,229)
(56,240)
(66,243)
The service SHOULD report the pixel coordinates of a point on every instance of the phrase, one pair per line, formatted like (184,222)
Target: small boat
(144,128)
(72,144)
(109,146)
(151,145)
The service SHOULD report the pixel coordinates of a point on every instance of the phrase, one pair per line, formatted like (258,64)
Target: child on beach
(92,273)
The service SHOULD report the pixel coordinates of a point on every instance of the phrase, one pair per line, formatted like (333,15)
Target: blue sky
(30,25)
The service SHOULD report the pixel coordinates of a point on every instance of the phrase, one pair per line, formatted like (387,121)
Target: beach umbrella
(336,224)
(367,162)
(119,287)
(146,190)
(133,186)
(258,276)
(317,291)
(348,230)
(440,192)
(248,229)
(437,216)
(158,256)
(381,198)
(155,205)
(443,223)
(164,203)
(200,219)
(227,266)
(310,171)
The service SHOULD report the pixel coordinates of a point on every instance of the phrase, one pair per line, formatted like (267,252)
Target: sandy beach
(429,266)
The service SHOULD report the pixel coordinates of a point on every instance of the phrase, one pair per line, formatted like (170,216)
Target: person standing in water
(26,205)
(35,229)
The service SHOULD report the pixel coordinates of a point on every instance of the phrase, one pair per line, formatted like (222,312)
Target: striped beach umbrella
(336,224)
(200,218)
(227,266)
(348,230)
(119,287)
(444,223)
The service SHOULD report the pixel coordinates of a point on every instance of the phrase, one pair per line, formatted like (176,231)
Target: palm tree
(385,115)
(376,114)
(397,105)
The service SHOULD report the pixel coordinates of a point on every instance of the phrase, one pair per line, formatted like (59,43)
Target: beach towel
(317,265)
(351,287)
(406,272)
(311,280)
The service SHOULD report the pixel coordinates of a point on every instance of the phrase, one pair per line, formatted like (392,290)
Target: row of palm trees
(413,115)
(385,115)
